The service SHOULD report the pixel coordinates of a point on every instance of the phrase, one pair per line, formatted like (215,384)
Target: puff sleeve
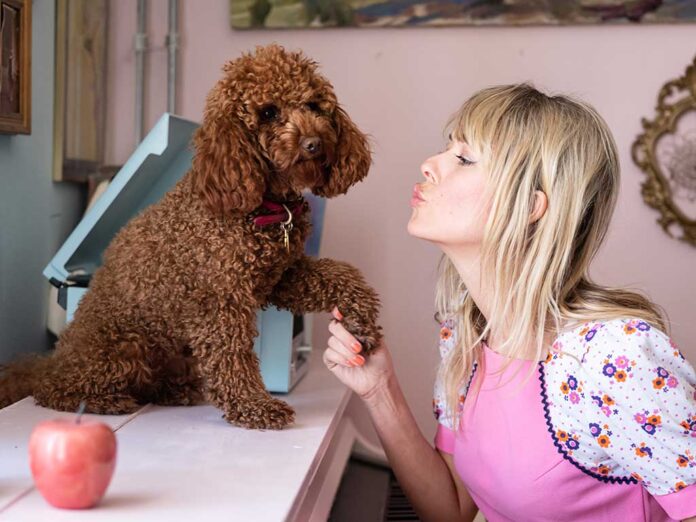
(640,408)
(446,431)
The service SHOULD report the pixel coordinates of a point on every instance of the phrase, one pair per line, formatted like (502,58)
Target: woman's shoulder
(592,341)
(623,354)
(627,359)
(620,392)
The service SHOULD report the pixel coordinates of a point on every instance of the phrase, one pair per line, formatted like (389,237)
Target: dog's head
(272,126)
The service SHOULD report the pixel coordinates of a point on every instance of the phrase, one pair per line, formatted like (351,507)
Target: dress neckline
(500,356)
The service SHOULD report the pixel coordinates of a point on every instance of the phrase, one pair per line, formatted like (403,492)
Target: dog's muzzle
(311,147)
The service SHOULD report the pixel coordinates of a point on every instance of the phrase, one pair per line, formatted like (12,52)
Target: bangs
(473,124)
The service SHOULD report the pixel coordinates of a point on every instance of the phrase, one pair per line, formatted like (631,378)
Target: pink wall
(400,85)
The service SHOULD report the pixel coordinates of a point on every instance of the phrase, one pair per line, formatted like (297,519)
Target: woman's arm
(427,477)
(428,480)
(465,499)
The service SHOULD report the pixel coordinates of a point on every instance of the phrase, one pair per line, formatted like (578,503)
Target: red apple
(72,462)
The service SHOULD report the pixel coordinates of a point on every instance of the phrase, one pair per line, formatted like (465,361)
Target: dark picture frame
(15,66)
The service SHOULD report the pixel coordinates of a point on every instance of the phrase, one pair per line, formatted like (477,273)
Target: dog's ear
(228,171)
(352,158)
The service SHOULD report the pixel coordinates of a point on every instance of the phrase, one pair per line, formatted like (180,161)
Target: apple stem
(80,411)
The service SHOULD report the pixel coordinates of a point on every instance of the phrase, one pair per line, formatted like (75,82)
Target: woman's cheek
(465,214)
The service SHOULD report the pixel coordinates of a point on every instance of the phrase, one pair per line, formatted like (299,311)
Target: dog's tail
(18,379)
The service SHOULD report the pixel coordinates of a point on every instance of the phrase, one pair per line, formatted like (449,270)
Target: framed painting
(249,14)
(15,66)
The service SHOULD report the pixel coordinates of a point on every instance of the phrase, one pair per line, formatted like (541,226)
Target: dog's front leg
(224,345)
(317,285)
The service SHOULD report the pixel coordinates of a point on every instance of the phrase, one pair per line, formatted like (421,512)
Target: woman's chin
(414,230)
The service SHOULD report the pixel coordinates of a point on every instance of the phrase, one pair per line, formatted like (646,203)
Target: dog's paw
(370,337)
(369,343)
(259,414)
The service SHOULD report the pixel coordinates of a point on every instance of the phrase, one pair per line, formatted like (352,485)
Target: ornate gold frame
(656,190)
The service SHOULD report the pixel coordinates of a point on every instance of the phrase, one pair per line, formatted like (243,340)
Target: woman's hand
(364,375)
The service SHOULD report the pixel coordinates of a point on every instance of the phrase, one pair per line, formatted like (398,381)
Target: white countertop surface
(175,463)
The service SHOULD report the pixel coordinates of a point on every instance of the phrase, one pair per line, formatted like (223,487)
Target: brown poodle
(170,316)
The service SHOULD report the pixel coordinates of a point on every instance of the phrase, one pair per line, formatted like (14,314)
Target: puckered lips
(416,197)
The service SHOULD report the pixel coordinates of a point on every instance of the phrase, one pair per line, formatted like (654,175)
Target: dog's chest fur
(268,256)
(179,237)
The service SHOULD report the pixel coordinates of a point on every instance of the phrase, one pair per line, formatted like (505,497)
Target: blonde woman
(557,399)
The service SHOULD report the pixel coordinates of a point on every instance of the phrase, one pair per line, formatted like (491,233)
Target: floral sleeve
(444,437)
(640,408)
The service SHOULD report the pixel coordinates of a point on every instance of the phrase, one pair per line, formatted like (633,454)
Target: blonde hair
(538,272)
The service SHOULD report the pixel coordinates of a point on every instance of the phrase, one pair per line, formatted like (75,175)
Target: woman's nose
(427,171)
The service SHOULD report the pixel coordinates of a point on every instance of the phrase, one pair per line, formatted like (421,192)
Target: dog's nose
(311,144)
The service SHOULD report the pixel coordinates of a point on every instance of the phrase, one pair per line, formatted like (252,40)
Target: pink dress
(604,430)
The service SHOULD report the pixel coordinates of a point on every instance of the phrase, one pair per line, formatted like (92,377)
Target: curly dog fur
(170,316)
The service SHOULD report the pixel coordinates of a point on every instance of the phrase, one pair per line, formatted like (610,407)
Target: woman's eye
(314,107)
(268,113)
(463,160)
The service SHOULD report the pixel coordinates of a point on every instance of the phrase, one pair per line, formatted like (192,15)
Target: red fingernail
(356,347)
(338,314)
(359,360)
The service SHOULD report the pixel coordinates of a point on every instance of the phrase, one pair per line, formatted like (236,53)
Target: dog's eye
(314,106)
(268,113)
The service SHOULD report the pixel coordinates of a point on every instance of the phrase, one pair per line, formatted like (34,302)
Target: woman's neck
(468,265)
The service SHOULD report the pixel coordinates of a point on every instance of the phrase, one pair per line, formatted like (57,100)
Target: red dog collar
(279,212)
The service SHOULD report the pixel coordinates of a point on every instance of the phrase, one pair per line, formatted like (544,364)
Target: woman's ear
(352,158)
(540,205)
(228,171)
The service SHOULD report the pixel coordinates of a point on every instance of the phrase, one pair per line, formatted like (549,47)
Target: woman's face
(447,205)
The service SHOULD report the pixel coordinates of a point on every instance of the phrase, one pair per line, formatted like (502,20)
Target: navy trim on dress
(471,377)
(547,416)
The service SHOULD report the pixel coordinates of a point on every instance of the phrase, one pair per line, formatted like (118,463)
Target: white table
(187,463)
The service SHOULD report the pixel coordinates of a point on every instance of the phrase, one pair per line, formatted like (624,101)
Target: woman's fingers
(343,335)
(332,358)
(343,347)
(340,348)
(347,357)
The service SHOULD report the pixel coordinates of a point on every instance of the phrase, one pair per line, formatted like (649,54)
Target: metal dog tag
(287,228)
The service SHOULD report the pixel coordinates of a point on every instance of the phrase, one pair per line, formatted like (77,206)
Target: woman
(556,398)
